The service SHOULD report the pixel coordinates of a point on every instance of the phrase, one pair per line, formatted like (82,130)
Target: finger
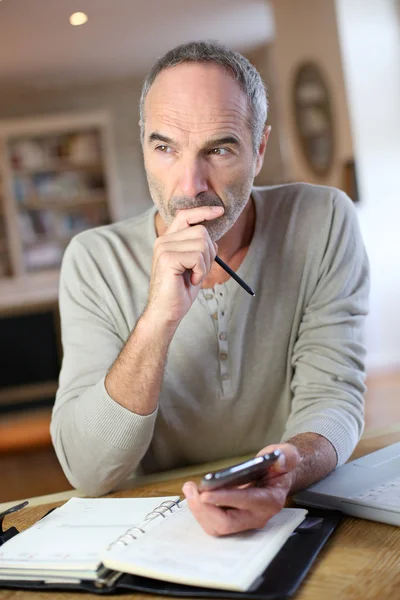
(179,262)
(237,520)
(219,521)
(192,216)
(266,501)
(199,269)
(195,232)
(184,247)
(288,461)
(210,517)
(199,242)
(190,490)
(226,521)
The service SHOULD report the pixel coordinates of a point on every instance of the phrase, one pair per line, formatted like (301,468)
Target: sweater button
(222,336)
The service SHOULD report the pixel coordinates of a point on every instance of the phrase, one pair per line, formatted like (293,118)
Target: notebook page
(73,537)
(180,551)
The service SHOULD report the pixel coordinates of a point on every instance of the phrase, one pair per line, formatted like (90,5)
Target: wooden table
(360,562)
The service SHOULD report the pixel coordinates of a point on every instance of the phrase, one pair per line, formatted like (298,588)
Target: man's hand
(182,258)
(231,510)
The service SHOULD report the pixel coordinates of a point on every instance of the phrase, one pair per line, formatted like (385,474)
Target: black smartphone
(245,472)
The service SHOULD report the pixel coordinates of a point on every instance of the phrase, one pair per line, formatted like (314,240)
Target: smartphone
(245,472)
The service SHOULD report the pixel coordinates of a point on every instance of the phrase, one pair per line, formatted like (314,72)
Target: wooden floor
(35,471)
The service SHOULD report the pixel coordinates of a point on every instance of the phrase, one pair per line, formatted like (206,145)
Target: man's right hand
(182,258)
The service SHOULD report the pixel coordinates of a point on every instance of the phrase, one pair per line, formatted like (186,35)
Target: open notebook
(98,539)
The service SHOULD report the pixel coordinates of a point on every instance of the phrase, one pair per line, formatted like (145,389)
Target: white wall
(306,30)
(121,99)
(370,38)
(357,44)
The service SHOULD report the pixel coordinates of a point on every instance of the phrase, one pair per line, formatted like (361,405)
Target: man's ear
(261,149)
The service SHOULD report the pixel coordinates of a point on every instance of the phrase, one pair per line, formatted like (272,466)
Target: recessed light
(78,18)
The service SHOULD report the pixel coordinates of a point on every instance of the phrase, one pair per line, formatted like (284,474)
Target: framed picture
(313,117)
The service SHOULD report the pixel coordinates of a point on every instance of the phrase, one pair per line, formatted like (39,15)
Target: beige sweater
(241,372)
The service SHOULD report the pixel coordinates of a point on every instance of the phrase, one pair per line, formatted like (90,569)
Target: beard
(233,201)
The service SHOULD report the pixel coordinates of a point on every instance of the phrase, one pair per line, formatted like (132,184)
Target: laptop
(368,487)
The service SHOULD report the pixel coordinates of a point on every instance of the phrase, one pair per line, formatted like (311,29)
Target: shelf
(29,291)
(60,204)
(28,393)
(63,238)
(60,166)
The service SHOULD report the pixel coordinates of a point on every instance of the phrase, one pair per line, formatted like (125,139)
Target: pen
(234,276)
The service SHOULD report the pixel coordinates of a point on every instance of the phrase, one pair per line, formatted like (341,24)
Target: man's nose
(193,178)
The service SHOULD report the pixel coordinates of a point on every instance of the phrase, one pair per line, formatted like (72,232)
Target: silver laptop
(368,487)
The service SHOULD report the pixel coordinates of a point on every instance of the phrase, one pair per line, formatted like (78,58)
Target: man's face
(197,145)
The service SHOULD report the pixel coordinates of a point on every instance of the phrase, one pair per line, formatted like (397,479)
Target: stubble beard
(234,202)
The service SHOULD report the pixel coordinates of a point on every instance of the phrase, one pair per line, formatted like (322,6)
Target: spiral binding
(160,511)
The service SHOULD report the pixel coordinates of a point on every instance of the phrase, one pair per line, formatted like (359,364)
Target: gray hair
(235,63)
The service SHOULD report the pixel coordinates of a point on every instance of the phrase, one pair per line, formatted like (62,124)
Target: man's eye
(163,148)
(219,151)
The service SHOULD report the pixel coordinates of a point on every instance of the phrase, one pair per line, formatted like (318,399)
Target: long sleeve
(98,442)
(328,356)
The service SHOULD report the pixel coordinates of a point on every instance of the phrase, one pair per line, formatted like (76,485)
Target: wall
(304,30)
(121,98)
(274,168)
(370,37)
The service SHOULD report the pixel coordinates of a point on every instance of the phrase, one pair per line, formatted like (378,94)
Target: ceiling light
(78,18)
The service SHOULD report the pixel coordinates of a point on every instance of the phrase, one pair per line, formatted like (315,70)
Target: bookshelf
(4,257)
(57,178)
(57,181)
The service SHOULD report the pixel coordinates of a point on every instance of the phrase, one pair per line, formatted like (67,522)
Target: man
(167,361)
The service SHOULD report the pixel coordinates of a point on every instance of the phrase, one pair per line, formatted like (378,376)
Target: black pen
(234,276)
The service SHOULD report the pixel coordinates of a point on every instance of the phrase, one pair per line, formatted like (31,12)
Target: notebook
(179,550)
(68,542)
(155,545)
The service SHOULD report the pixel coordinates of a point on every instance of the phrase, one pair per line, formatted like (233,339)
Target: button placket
(213,308)
(220,296)
(207,299)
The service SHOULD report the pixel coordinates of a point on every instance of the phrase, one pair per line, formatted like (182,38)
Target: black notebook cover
(280,580)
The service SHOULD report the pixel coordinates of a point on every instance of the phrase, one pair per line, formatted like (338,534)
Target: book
(178,550)
(69,541)
(158,538)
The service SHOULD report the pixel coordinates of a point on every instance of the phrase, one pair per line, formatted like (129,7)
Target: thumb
(288,460)
(190,490)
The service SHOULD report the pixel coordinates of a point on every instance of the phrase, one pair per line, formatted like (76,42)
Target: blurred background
(70,158)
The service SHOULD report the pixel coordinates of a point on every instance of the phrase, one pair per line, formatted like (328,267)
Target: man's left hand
(230,510)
